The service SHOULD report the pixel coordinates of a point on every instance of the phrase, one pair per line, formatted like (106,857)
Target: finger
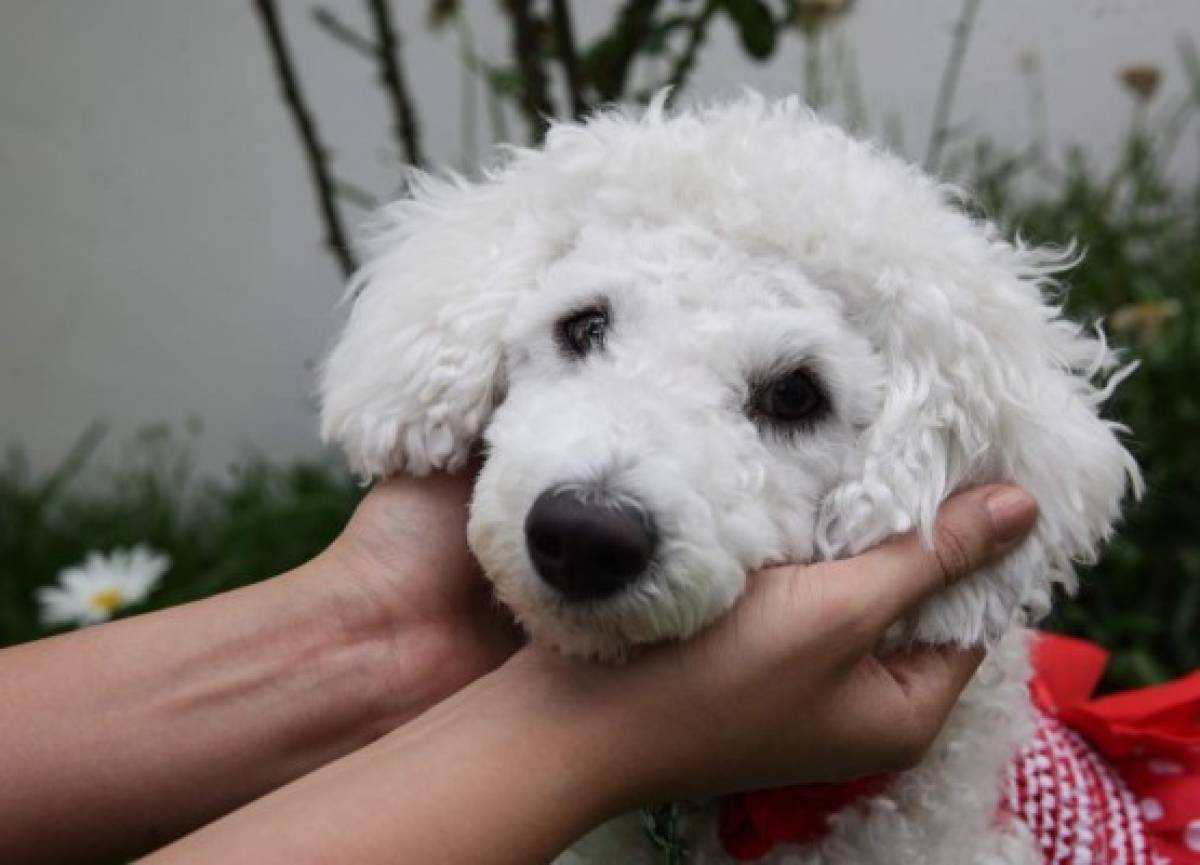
(906,719)
(972,529)
(933,677)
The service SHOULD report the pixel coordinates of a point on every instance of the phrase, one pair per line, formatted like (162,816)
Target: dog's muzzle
(586,545)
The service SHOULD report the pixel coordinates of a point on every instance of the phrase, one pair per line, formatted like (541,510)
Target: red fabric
(1108,780)
(1149,741)
(752,823)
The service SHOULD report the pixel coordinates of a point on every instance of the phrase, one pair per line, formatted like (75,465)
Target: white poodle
(694,344)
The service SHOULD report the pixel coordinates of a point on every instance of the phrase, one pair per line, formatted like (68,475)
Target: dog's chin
(592,640)
(611,630)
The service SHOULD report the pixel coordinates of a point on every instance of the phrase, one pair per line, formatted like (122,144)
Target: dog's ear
(987,383)
(417,371)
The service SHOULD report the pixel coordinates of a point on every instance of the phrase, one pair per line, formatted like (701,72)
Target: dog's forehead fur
(725,238)
(770,177)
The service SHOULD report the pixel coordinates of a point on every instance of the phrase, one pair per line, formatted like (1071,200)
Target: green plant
(262,520)
(1141,270)
(1139,235)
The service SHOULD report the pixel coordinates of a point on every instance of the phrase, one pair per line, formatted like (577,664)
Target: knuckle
(848,615)
(952,551)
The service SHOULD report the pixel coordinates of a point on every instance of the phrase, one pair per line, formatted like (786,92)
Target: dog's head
(692,345)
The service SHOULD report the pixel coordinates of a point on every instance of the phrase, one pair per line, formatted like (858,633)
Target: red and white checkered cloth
(1109,781)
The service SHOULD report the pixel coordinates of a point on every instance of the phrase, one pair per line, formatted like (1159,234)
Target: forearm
(490,775)
(121,737)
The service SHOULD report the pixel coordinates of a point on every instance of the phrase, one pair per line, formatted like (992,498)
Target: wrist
(546,768)
(403,660)
(610,745)
(504,770)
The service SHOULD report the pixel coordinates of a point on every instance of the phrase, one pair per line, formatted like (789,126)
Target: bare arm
(514,766)
(119,738)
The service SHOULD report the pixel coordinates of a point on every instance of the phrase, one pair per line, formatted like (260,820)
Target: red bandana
(1110,780)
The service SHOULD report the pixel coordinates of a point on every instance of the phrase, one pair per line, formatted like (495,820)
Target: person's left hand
(412,582)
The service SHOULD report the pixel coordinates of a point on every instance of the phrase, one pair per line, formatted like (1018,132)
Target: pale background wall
(159,252)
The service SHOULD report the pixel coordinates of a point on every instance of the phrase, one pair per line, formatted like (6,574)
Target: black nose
(587,547)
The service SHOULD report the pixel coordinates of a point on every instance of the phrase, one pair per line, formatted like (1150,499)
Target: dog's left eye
(794,399)
(583,332)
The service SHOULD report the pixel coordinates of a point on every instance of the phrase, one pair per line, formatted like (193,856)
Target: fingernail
(1013,512)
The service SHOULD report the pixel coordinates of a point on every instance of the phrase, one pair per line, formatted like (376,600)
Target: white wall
(159,252)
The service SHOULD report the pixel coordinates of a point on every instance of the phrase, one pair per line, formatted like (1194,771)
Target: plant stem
(314,153)
(469,104)
(479,68)
(535,90)
(342,32)
(846,66)
(1179,119)
(391,76)
(568,55)
(686,61)
(948,85)
(813,94)
(1035,89)
(632,23)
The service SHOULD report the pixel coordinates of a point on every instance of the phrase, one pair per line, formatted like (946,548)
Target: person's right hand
(786,688)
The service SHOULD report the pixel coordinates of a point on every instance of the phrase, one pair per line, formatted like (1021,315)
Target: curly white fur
(730,242)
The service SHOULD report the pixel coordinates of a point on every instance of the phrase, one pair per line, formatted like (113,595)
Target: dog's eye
(794,399)
(583,332)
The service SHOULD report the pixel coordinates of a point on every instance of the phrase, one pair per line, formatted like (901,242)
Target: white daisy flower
(93,590)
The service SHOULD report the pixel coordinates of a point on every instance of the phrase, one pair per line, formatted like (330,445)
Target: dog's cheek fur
(988,384)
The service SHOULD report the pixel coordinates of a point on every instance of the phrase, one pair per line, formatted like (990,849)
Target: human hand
(410,580)
(786,688)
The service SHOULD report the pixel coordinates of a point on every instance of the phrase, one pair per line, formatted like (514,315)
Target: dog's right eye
(790,402)
(583,332)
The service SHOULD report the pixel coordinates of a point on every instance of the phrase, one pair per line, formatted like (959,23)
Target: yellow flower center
(109,600)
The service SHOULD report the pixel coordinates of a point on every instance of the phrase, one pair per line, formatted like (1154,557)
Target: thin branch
(697,31)
(1035,98)
(633,22)
(951,74)
(535,88)
(314,154)
(846,69)
(391,76)
(469,102)
(481,69)
(355,194)
(814,91)
(1177,123)
(344,33)
(893,131)
(568,55)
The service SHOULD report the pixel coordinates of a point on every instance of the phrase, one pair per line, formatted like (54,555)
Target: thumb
(972,528)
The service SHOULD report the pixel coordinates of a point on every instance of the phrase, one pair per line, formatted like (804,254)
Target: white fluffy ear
(987,384)
(416,372)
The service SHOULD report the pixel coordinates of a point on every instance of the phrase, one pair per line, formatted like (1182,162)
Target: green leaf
(655,42)
(755,26)
(504,81)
